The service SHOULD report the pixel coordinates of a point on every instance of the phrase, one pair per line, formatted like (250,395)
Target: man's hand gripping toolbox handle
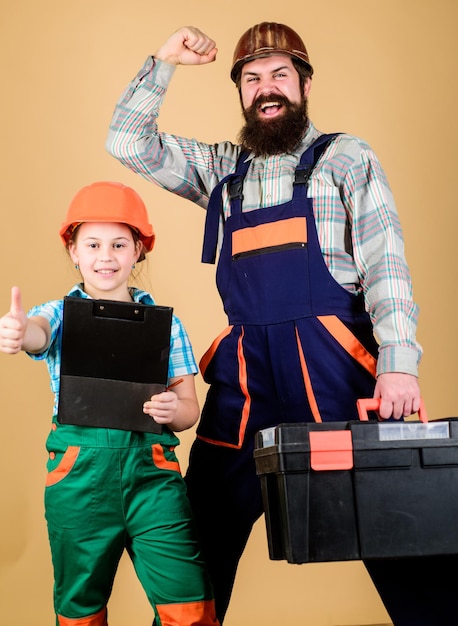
(373,404)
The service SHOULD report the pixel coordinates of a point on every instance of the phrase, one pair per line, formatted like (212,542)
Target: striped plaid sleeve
(181,361)
(186,167)
(51,311)
(378,248)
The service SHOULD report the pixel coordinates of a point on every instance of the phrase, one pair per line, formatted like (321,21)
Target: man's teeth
(269,104)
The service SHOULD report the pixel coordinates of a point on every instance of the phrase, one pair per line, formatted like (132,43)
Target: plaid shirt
(357,221)
(181,360)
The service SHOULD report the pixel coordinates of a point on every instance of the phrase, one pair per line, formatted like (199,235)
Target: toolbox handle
(372,404)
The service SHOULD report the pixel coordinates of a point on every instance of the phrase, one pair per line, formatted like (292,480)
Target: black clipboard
(115,356)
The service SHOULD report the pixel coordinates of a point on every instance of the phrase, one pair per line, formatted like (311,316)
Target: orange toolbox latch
(331,450)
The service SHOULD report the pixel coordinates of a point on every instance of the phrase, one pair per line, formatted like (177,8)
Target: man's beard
(278,135)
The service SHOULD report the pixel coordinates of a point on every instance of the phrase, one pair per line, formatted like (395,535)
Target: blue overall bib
(299,347)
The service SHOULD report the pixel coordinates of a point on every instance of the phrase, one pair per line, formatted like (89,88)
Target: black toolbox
(361,489)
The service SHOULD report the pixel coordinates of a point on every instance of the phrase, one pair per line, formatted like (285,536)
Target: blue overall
(299,347)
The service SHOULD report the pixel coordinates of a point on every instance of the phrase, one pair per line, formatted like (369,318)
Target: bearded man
(311,269)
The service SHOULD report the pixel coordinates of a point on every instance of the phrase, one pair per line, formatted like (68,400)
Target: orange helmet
(108,202)
(268,38)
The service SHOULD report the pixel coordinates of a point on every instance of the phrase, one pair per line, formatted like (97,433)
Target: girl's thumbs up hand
(13,325)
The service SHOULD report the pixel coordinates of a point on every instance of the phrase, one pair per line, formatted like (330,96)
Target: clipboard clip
(118,310)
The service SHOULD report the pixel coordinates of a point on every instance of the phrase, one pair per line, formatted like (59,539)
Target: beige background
(385,71)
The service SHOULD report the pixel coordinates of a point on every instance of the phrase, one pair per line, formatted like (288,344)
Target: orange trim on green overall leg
(188,614)
(98,619)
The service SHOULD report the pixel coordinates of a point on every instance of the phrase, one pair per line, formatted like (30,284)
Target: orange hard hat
(265,39)
(108,202)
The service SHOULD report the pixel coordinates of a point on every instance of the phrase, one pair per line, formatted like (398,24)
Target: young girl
(108,490)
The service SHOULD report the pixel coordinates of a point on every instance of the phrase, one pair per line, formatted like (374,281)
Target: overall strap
(214,209)
(310,158)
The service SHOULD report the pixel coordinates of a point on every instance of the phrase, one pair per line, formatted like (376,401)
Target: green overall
(108,490)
